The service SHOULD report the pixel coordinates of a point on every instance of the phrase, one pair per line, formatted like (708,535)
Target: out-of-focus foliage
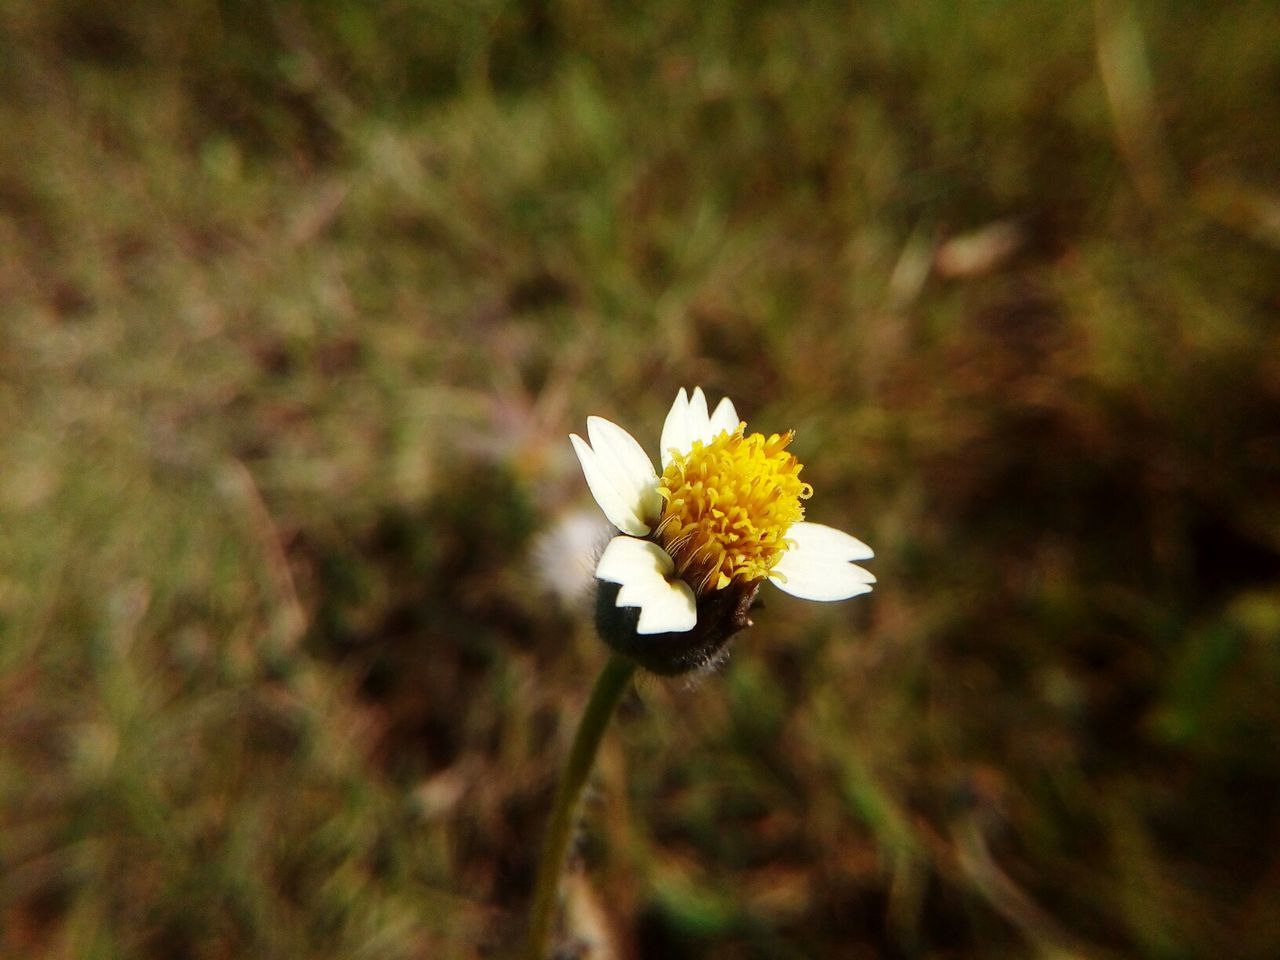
(298,301)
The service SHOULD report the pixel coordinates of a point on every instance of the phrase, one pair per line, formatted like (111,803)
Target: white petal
(725,419)
(819,538)
(642,568)
(627,466)
(821,581)
(621,504)
(675,431)
(818,567)
(623,556)
(699,421)
(688,421)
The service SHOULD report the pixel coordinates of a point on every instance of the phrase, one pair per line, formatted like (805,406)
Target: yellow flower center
(728,506)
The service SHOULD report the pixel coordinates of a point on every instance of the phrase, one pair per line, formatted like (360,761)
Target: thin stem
(610,685)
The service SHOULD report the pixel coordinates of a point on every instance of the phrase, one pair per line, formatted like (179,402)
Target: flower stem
(610,685)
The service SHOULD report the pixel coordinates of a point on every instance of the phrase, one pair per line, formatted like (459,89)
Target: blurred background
(298,302)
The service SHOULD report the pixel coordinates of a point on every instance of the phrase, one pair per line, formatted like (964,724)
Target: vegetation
(298,302)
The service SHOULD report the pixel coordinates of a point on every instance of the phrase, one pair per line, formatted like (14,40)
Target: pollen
(727,507)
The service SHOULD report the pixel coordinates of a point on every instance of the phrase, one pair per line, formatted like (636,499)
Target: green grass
(298,302)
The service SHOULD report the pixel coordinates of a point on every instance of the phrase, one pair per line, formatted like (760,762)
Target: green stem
(608,690)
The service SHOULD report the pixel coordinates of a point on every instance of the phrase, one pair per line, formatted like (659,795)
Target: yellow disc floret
(728,506)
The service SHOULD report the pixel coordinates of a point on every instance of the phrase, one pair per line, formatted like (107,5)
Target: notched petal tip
(644,572)
(689,421)
(673,611)
(823,585)
(819,564)
(678,633)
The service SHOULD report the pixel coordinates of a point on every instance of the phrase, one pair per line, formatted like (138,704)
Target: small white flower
(725,513)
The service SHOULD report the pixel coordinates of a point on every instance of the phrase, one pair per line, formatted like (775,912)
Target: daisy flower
(697,541)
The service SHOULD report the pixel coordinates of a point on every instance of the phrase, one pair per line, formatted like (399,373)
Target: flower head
(697,542)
